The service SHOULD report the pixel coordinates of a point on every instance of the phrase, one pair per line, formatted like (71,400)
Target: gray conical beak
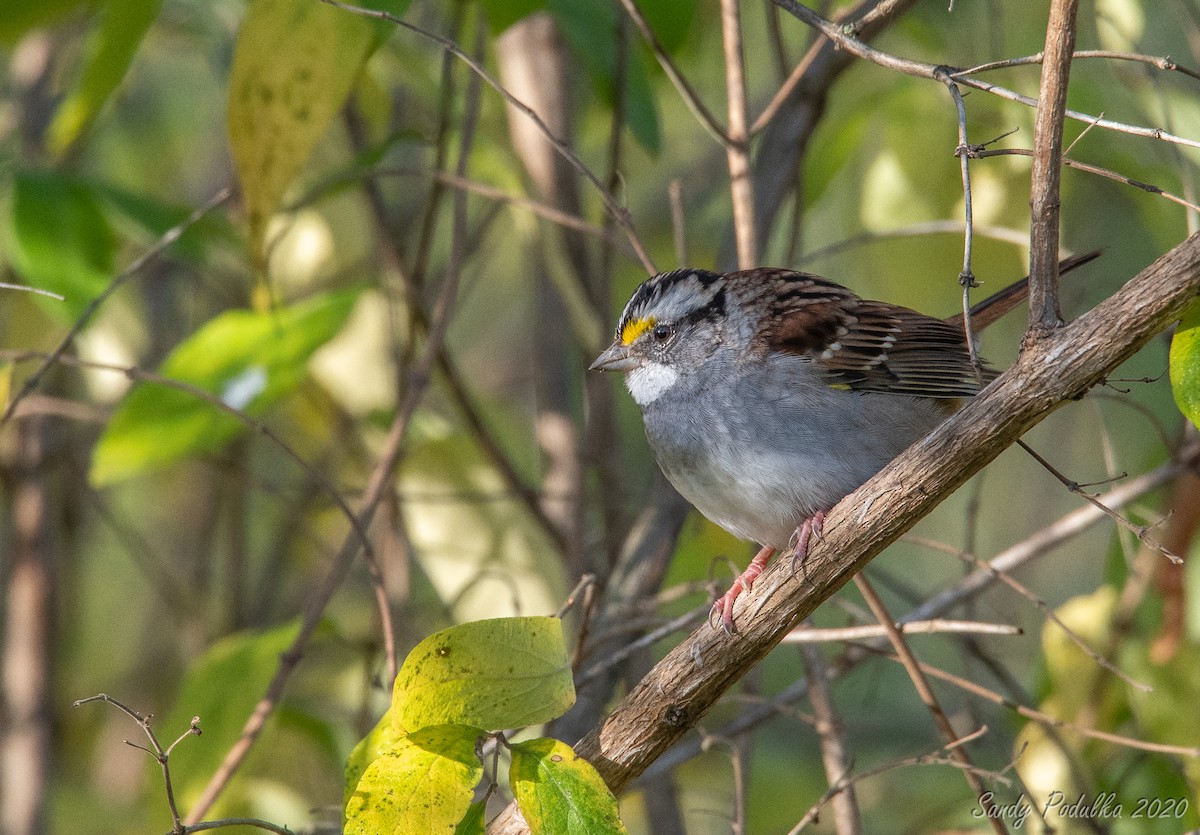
(616,358)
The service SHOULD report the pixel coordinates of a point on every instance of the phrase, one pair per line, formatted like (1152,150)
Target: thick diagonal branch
(1052,370)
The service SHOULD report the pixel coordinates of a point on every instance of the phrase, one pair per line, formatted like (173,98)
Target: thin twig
(1045,187)
(913,668)
(1103,172)
(935,757)
(737,149)
(1142,532)
(1043,718)
(4,285)
(920,69)
(619,214)
(1165,63)
(613,659)
(847,817)
(678,222)
(159,753)
(686,92)
(966,278)
(161,245)
(813,635)
(1050,614)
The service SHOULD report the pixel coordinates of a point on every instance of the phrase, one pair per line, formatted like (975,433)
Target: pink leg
(809,530)
(744,581)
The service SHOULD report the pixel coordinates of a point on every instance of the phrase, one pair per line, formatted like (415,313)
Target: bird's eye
(663,332)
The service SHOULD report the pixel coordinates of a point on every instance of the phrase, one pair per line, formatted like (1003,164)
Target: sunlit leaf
(60,239)
(247,359)
(1185,364)
(221,687)
(422,783)
(110,50)
(559,791)
(381,738)
(492,674)
(294,64)
(473,823)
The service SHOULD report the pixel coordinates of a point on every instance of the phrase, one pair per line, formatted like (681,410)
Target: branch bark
(1051,371)
(1047,166)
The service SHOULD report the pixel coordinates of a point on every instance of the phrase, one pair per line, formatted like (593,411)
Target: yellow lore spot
(635,328)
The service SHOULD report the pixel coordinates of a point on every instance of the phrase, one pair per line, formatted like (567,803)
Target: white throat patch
(648,383)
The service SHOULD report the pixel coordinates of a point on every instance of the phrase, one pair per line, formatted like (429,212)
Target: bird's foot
(810,529)
(724,605)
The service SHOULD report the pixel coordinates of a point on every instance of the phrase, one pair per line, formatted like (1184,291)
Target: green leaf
(422,783)
(492,674)
(21,16)
(60,240)
(590,27)
(559,791)
(381,738)
(504,13)
(294,64)
(109,53)
(247,359)
(222,687)
(1185,364)
(669,20)
(473,823)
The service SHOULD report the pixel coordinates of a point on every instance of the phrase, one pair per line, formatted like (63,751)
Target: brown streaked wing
(868,345)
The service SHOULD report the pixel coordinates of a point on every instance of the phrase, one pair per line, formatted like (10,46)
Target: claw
(744,582)
(810,529)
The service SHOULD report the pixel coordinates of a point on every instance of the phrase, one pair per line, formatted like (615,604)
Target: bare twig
(162,755)
(847,818)
(936,757)
(737,151)
(1165,63)
(4,285)
(966,278)
(925,692)
(619,214)
(1049,721)
(686,92)
(164,242)
(1150,188)
(920,69)
(813,635)
(1142,532)
(1050,614)
(257,823)
(1044,201)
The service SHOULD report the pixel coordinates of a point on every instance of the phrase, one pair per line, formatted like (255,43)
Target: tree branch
(1062,366)
(1045,198)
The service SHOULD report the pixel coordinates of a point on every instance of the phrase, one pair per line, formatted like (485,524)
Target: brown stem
(738,148)
(1045,197)
(925,692)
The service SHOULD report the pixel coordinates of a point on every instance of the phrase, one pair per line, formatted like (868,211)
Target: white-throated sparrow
(768,395)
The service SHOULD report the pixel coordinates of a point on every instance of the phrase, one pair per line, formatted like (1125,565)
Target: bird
(769,394)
